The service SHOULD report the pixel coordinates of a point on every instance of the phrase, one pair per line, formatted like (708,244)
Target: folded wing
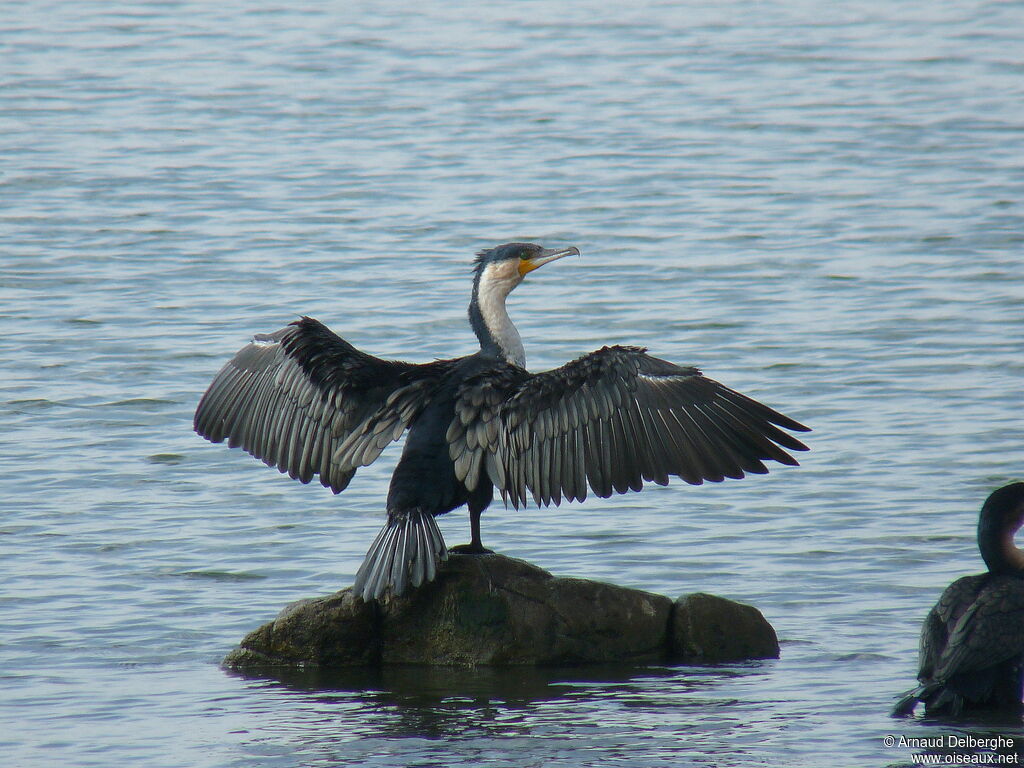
(989,632)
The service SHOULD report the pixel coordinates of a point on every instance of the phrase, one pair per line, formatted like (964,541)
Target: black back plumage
(308,402)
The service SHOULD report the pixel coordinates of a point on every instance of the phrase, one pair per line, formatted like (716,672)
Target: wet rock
(709,629)
(495,610)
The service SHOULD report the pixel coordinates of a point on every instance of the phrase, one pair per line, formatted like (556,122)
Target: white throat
(495,286)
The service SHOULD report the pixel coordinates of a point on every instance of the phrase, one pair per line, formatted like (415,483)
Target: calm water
(823,208)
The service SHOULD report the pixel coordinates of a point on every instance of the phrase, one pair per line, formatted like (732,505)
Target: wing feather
(599,457)
(726,444)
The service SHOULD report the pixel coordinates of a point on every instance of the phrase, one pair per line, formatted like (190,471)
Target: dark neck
(996,528)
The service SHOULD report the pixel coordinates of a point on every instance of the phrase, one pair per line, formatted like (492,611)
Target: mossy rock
(495,610)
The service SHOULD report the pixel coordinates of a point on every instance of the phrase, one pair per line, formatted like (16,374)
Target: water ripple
(820,209)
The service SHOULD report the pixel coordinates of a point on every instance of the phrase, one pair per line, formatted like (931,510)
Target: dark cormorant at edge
(972,641)
(308,402)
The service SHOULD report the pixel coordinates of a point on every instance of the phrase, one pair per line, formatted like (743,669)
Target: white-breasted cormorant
(972,641)
(308,402)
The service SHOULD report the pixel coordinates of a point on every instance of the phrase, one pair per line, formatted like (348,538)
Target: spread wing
(292,398)
(611,420)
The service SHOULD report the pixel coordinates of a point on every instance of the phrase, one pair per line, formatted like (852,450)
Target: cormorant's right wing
(291,398)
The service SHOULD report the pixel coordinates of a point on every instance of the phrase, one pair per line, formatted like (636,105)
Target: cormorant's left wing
(611,419)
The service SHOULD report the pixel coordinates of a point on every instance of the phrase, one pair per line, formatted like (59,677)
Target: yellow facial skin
(525,265)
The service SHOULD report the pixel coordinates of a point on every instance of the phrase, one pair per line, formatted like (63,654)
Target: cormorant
(308,402)
(972,641)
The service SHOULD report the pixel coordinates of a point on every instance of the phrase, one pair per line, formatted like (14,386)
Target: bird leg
(475,546)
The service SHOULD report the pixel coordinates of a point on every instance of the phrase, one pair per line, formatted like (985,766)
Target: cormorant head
(498,272)
(505,266)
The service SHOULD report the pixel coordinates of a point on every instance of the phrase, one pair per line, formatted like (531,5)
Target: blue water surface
(820,206)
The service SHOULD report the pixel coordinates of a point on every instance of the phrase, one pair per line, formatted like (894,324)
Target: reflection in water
(325,713)
(414,685)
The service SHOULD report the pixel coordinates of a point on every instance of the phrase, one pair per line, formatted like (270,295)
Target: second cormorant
(308,402)
(972,641)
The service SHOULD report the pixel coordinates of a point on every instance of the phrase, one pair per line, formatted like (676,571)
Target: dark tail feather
(907,703)
(937,698)
(407,551)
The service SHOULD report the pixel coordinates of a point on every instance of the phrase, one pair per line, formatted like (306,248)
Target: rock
(495,610)
(335,631)
(709,629)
